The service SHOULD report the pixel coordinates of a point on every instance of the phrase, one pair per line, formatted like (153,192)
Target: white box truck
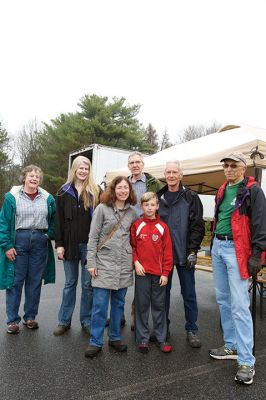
(102,158)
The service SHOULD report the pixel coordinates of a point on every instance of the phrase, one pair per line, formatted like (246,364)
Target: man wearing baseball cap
(239,239)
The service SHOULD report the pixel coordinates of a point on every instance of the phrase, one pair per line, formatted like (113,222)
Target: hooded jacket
(113,260)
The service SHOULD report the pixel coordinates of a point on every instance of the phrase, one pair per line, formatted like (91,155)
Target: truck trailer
(102,158)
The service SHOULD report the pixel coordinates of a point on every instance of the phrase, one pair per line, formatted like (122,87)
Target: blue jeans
(31,248)
(188,291)
(69,292)
(99,314)
(233,300)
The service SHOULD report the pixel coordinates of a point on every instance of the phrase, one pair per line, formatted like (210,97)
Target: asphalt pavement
(36,365)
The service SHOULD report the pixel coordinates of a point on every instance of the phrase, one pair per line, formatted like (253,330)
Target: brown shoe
(92,351)
(118,345)
(61,329)
(31,324)
(193,339)
(13,328)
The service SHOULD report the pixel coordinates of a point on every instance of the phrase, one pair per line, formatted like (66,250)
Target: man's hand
(11,254)
(254,265)
(60,253)
(93,272)
(139,269)
(163,280)
(191,260)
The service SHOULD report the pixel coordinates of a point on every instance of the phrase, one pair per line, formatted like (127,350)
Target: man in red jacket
(153,260)
(239,238)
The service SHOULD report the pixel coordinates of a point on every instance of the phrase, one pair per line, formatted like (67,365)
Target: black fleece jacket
(184,217)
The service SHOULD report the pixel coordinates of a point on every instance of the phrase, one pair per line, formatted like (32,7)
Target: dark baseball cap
(238,157)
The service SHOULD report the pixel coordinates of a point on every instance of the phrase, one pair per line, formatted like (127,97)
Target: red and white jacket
(152,246)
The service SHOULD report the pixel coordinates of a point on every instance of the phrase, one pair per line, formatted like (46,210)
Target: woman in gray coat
(110,262)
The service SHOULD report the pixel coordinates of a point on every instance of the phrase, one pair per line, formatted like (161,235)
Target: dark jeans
(31,248)
(187,283)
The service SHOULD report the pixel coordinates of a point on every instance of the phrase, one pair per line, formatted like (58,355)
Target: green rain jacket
(7,237)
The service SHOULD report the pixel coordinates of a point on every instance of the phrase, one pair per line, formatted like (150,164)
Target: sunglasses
(233,166)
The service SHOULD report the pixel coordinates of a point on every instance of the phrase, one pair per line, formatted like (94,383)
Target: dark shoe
(86,329)
(61,329)
(118,345)
(166,347)
(245,374)
(153,338)
(92,351)
(107,323)
(223,353)
(31,324)
(193,339)
(13,328)
(143,347)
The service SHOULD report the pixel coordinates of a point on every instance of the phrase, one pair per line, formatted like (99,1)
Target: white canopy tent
(200,158)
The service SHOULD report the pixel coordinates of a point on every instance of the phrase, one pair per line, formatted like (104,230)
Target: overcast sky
(185,61)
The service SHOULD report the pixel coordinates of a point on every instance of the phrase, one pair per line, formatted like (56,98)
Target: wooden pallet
(204,263)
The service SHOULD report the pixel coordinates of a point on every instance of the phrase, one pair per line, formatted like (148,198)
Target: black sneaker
(245,374)
(143,347)
(153,338)
(223,353)
(118,345)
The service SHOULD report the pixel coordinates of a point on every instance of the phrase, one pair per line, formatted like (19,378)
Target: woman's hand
(163,280)
(11,254)
(60,253)
(93,272)
(139,269)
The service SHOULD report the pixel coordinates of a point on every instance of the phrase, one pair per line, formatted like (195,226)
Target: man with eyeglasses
(141,183)
(239,239)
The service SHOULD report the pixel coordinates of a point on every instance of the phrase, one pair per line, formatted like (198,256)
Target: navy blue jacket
(184,218)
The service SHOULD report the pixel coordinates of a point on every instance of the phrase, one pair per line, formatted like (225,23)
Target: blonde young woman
(75,203)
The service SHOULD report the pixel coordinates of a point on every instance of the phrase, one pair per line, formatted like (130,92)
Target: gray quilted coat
(114,260)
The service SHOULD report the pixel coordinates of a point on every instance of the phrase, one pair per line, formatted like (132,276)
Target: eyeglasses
(233,166)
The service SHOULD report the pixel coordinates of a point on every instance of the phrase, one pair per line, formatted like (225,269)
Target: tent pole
(257,174)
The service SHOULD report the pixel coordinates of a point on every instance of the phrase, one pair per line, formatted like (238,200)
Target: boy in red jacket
(153,260)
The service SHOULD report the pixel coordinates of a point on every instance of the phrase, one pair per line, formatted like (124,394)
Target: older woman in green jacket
(26,254)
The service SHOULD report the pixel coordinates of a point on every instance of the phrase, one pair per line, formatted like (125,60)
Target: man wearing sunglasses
(239,239)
